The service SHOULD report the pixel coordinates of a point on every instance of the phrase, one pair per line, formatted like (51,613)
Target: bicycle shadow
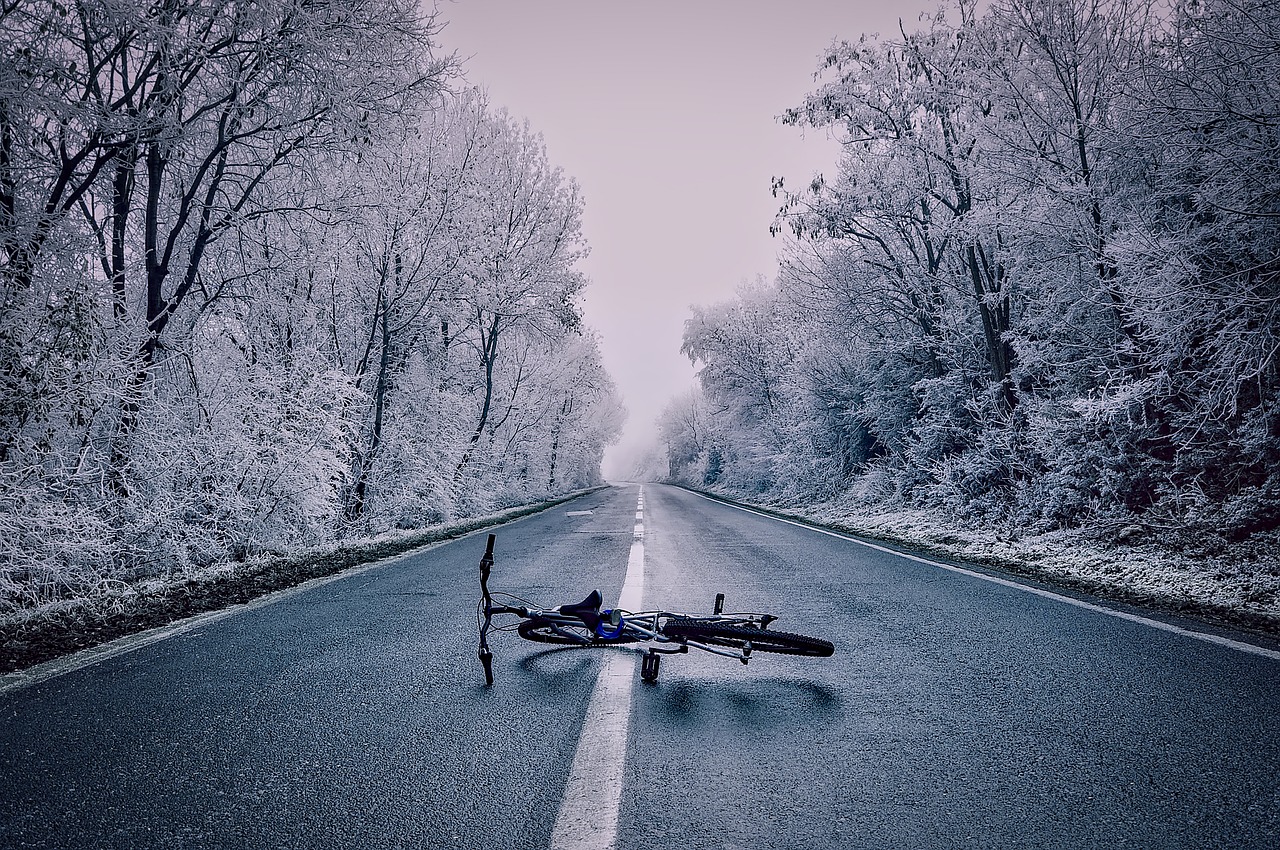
(755,703)
(560,668)
(682,702)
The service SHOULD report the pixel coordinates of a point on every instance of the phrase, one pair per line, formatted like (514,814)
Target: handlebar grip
(487,561)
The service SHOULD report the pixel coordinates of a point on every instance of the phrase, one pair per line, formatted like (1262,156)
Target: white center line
(588,818)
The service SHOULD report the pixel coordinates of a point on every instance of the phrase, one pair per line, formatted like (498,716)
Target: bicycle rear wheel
(761,640)
(543,630)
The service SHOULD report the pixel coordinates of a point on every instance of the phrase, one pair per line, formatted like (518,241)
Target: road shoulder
(1182,590)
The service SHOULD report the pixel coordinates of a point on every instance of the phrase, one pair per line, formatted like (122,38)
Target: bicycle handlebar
(486,564)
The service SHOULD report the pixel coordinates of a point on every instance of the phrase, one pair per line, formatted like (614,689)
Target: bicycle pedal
(649,666)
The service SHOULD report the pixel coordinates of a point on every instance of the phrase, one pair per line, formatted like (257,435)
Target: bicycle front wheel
(543,630)
(761,640)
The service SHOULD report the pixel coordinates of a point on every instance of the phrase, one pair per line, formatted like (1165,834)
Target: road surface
(957,712)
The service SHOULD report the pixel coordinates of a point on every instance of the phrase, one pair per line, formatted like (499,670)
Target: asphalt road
(955,713)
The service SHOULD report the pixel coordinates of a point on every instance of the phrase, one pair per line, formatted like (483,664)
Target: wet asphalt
(955,713)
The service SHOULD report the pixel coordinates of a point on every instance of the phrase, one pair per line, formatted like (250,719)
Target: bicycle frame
(643,626)
(667,632)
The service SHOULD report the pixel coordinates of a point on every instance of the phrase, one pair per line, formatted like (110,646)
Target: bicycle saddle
(588,610)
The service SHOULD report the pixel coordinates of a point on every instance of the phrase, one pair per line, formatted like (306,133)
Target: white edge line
(1048,594)
(35,674)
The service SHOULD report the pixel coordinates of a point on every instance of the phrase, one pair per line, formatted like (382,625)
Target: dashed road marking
(588,817)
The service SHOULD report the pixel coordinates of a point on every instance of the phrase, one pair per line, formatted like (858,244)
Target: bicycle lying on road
(585,625)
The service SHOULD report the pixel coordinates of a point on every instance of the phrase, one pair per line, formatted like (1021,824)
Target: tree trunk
(364,466)
(565,410)
(988,280)
(121,196)
(489,353)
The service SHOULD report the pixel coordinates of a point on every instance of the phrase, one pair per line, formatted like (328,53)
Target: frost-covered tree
(521,280)
(693,453)
(1040,287)
(1198,257)
(246,250)
(746,355)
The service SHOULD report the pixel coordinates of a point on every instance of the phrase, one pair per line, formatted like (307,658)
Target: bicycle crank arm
(743,655)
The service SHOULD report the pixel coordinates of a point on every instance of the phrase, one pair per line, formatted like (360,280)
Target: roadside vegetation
(274,278)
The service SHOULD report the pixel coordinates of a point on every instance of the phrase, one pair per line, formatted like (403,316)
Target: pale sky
(664,111)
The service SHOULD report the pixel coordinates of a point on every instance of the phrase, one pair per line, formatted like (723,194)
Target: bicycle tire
(541,630)
(761,640)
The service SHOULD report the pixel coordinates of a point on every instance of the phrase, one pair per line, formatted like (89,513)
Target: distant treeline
(1042,288)
(272,275)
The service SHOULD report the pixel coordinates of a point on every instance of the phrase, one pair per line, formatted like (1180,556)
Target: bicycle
(584,624)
